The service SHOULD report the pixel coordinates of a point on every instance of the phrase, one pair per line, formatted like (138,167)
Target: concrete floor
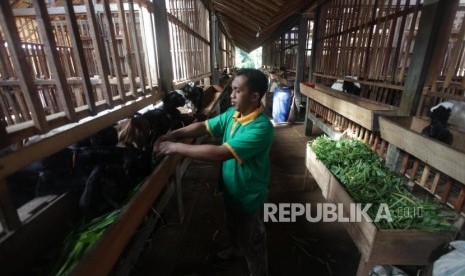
(295,248)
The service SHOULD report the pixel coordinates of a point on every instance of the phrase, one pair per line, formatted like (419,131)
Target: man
(247,135)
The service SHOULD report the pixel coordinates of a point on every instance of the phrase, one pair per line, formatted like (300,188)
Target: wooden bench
(435,166)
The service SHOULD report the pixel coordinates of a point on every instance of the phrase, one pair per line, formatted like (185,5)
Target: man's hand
(165,148)
(160,139)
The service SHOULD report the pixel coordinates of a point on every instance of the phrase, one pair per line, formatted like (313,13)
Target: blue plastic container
(281,104)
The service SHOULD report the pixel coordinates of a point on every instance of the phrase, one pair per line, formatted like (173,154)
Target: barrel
(281,104)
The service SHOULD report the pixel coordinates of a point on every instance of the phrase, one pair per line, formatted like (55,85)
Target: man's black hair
(256,80)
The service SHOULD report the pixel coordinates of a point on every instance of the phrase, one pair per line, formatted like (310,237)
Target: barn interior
(86,87)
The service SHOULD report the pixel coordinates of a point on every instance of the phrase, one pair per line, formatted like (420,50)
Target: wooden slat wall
(105,65)
(372,40)
(189,39)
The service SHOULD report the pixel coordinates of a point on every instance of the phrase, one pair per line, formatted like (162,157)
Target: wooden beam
(78,50)
(99,50)
(165,64)
(22,68)
(232,12)
(214,53)
(300,66)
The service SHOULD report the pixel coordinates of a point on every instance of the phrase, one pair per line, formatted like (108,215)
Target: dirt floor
(294,248)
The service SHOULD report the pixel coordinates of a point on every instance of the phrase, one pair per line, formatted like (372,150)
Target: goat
(437,129)
(166,118)
(70,169)
(457,113)
(348,85)
(193,95)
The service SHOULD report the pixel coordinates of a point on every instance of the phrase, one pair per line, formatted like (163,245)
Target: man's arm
(203,152)
(191,131)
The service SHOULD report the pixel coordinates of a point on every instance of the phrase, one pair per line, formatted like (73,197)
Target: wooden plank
(460,201)
(80,59)
(56,68)
(425,176)
(13,256)
(435,183)
(440,156)
(18,57)
(417,247)
(359,111)
(136,45)
(99,50)
(8,215)
(445,193)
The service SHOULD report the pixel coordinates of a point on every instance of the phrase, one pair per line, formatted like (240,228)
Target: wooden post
(394,158)
(308,122)
(433,14)
(81,64)
(214,49)
(300,67)
(22,68)
(165,64)
(102,62)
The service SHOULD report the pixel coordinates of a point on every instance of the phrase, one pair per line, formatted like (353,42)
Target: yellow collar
(249,118)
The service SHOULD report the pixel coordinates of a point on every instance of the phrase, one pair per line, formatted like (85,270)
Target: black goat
(194,97)
(351,88)
(438,127)
(166,118)
(70,170)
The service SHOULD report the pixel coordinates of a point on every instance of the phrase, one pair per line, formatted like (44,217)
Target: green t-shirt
(247,175)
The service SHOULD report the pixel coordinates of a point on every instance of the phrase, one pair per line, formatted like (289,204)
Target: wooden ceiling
(248,23)
(252,23)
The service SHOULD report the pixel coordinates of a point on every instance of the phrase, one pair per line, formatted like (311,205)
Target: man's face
(241,98)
